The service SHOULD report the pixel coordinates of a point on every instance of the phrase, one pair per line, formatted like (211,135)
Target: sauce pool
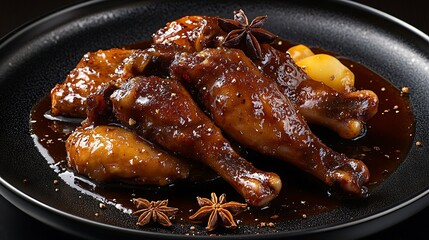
(385,144)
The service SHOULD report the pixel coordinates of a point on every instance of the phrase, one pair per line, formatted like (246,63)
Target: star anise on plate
(218,210)
(157,211)
(245,36)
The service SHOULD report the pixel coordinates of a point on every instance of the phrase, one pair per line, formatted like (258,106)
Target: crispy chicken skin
(162,111)
(251,109)
(344,113)
(110,153)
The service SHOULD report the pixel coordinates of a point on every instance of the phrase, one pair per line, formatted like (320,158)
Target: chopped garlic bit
(131,122)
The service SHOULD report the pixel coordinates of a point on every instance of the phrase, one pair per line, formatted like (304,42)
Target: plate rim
(12,190)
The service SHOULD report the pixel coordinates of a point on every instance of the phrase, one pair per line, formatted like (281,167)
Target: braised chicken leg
(342,112)
(109,153)
(162,111)
(251,109)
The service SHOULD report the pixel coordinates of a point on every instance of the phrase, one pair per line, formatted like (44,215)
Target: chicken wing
(109,153)
(162,111)
(69,97)
(95,69)
(251,109)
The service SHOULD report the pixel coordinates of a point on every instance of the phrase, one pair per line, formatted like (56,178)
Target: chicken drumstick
(344,113)
(250,108)
(110,153)
(162,111)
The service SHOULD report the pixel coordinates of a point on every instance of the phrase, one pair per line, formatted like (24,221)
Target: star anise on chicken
(218,210)
(157,211)
(245,36)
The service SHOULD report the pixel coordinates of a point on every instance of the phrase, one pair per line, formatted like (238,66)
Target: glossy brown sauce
(385,144)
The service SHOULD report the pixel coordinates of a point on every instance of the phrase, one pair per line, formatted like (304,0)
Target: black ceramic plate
(41,54)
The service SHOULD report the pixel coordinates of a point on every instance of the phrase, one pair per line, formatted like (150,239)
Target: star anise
(245,36)
(156,211)
(218,208)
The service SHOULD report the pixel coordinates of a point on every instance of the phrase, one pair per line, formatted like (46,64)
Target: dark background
(16,225)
